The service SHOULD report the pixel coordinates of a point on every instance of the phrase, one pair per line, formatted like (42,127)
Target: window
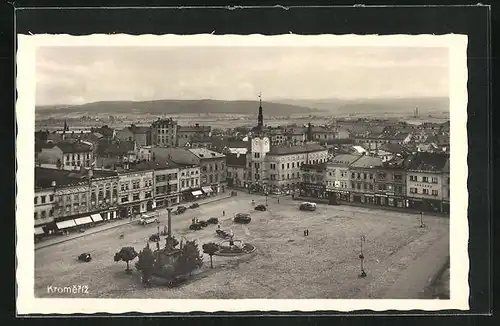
(135,197)
(211,178)
(75,197)
(148,194)
(371,186)
(288,165)
(36,216)
(257,155)
(364,176)
(182,184)
(425,179)
(124,199)
(196,181)
(413,191)
(413,178)
(51,212)
(365,186)
(283,166)
(381,175)
(425,191)
(397,177)
(434,180)
(36,200)
(434,192)
(157,190)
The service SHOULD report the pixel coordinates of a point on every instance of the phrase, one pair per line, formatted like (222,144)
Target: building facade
(258,170)
(165,182)
(313,183)
(44,208)
(283,164)
(103,189)
(424,182)
(236,170)
(164,132)
(135,192)
(363,174)
(337,175)
(446,187)
(68,155)
(390,183)
(189,182)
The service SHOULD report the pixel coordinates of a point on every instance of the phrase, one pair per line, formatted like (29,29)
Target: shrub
(126,254)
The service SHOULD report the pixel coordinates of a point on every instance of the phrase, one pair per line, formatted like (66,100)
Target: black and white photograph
(222,167)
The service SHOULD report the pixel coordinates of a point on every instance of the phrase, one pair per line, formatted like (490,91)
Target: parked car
(260,208)
(85,257)
(276,192)
(213,220)
(149,218)
(181,209)
(194,205)
(195,226)
(306,206)
(203,223)
(242,218)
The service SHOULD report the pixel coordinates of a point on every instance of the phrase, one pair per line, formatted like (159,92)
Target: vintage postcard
(241,173)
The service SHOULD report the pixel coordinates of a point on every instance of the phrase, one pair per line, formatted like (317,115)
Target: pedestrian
(293,196)
(304,233)
(223,213)
(307,232)
(218,226)
(278,200)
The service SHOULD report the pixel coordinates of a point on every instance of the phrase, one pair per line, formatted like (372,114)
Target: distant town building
(164,132)
(68,155)
(165,181)
(141,135)
(363,173)
(313,180)
(189,134)
(136,190)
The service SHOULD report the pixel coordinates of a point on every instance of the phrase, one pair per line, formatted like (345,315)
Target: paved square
(400,257)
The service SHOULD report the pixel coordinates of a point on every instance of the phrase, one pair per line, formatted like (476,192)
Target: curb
(111,227)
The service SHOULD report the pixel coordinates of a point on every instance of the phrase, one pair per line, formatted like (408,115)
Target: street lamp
(422,225)
(266,198)
(361,258)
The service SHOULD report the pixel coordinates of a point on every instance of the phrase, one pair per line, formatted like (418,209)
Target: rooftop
(115,148)
(319,166)
(344,159)
(74,147)
(367,162)
(195,128)
(44,177)
(236,160)
(205,153)
(155,165)
(287,150)
(424,161)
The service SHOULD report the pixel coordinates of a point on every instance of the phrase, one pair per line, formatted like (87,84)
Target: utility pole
(362,257)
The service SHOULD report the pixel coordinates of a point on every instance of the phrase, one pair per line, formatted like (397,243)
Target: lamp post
(361,258)
(422,225)
(266,198)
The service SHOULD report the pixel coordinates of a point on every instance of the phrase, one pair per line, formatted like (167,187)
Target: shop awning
(83,220)
(38,230)
(197,193)
(65,224)
(207,189)
(96,217)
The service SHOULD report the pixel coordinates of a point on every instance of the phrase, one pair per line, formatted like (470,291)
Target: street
(286,264)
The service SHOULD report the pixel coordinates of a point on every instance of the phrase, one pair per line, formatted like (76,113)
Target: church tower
(260,117)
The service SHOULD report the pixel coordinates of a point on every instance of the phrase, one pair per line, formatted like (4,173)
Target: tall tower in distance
(415,112)
(260,117)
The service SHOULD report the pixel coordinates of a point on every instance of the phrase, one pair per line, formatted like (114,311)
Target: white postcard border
(26,80)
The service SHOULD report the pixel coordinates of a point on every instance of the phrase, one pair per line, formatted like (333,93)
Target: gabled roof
(74,147)
(393,148)
(287,150)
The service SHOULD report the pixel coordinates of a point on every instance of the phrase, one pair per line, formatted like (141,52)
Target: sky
(77,75)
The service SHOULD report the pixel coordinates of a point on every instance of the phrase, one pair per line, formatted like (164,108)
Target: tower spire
(260,118)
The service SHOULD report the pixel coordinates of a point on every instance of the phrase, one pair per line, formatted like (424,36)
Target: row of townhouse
(64,199)
(420,181)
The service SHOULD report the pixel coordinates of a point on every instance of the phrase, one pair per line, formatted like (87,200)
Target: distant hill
(426,105)
(176,107)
